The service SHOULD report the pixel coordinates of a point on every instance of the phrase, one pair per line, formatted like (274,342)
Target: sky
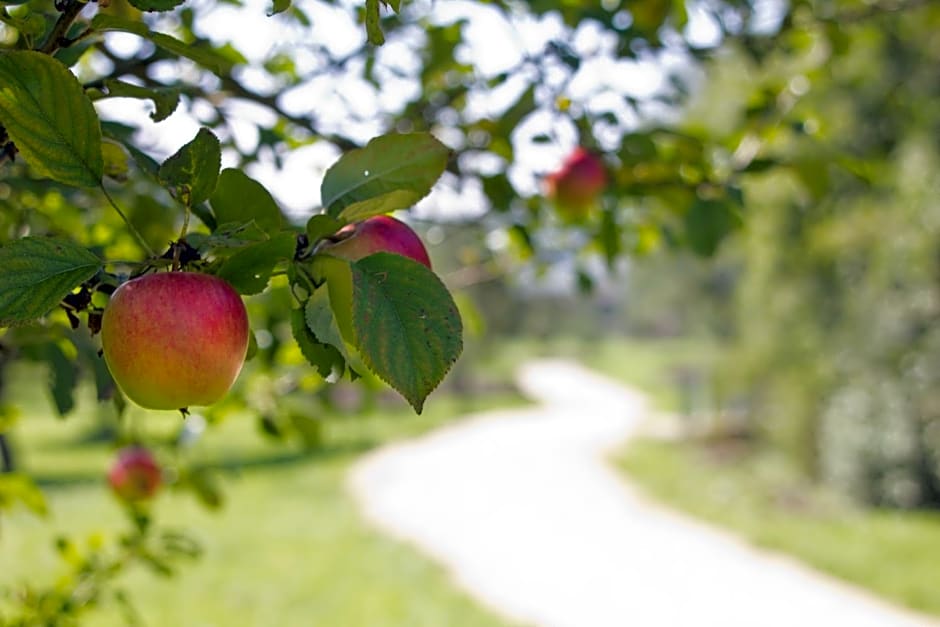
(492,44)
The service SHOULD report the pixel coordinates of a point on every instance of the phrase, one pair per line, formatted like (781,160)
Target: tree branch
(57,36)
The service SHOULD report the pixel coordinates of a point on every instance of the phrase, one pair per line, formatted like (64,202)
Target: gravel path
(521,508)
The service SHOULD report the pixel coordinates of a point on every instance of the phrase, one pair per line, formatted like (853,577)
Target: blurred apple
(175,339)
(574,188)
(135,475)
(376,235)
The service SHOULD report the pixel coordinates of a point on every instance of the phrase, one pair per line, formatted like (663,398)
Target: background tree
(810,123)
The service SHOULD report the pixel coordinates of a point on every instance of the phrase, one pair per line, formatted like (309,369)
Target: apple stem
(134,231)
(182,237)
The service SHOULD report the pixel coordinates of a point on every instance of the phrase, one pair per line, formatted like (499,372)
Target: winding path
(520,506)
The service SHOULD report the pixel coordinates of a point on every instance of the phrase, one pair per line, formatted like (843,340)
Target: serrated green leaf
(323,357)
(38,272)
(249,270)
(156,5)
(391,172)
(408,330)
(322,225)
(191,174)
(320,320)
(165,100)
(373,30)
(239,198)
(50,119)
(209,58)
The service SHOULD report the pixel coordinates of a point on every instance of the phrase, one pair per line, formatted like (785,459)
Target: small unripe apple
(379,234)
(576,185)
(135,475)
(175,339)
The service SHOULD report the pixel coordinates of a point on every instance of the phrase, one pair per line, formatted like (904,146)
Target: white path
(522,509)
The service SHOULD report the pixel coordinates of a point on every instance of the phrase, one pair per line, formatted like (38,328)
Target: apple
(576,185)
(378,234)
(175,339)
(135,475)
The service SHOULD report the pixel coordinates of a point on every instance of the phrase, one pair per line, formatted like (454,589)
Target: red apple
(575,187)
(377,235)
(135,474)
(175,339)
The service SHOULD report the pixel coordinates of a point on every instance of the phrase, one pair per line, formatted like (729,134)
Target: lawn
(895,554)
(288,548)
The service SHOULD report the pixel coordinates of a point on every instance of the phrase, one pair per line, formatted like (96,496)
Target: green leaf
(309,428)
(373,30)
(249,270)
(50,119)
(337,273)
(203,483)
(18,488)
(391,172)
(156,5)
(125,135)
(165,100)
(279,6)
(320,320)
(38,272)
(239,198)
(708,222)
(115,159)
(209,58)
(192,173)
(322,225)
(514,115)
(323,357)
(62,378)
(408,330)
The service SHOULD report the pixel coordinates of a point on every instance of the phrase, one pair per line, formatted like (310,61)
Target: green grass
(894,554)
(288,548)
(757,495)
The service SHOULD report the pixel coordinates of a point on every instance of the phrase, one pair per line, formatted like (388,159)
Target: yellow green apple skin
(379,234)
(175,339)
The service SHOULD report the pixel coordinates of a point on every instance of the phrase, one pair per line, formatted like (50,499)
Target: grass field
(895,554)
(290,549)
(287,549)
(755,494)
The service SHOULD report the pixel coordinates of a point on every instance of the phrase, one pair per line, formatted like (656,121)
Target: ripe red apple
(575,187)
(377,235)
(135,475)
(175,339)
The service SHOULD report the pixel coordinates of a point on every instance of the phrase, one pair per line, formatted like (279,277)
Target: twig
(140,238)
(62,25)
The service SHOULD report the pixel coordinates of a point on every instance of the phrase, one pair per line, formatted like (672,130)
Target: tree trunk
(6,455)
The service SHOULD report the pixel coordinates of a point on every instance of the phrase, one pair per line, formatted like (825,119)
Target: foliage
(837,297)
(92,198)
